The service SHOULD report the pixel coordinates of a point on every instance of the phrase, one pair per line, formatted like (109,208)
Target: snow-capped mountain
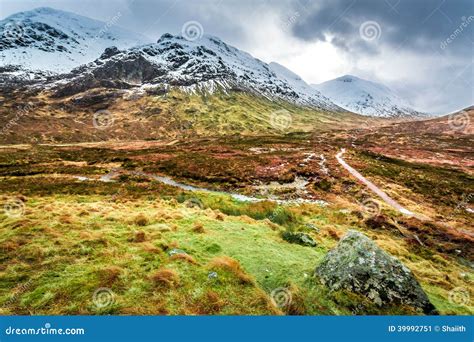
(56,41)
(206,64)
(365,97)
(73,53)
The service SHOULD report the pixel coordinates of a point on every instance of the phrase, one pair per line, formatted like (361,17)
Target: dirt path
(390,201)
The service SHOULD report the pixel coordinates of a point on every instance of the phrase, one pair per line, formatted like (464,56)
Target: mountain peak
(38,12)
(365,97)
(348,78)
(52,40)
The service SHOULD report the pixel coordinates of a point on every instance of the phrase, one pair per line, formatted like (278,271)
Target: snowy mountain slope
(365,97)
(293,79)
(52,40)
(205,64)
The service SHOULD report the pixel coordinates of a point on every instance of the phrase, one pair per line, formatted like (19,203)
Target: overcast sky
(400,43)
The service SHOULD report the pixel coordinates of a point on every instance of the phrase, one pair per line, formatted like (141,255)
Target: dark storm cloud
(407,24)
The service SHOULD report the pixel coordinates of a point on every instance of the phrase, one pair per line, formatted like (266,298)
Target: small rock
(357,264)
(176,251)
(312,226)
(212,275)
(299,238)
(163,228)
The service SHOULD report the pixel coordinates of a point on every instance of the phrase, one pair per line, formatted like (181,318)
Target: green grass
(77,237)
(436,184)
(68,246)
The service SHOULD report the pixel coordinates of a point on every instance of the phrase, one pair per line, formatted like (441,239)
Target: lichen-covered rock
(357,264)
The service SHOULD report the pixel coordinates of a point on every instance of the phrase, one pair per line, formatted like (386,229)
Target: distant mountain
(457,123)
(46,39)
(204,65)
(366,97)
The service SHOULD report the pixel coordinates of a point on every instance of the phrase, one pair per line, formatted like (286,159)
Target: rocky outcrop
(357,264)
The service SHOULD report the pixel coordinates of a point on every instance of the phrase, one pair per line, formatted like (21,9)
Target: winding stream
(169,181)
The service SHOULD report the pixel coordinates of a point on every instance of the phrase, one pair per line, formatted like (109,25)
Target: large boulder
(357,264)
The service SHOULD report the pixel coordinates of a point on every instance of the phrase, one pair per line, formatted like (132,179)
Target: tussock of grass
(165,278)
(184,257)
(198,228)
(230,265)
